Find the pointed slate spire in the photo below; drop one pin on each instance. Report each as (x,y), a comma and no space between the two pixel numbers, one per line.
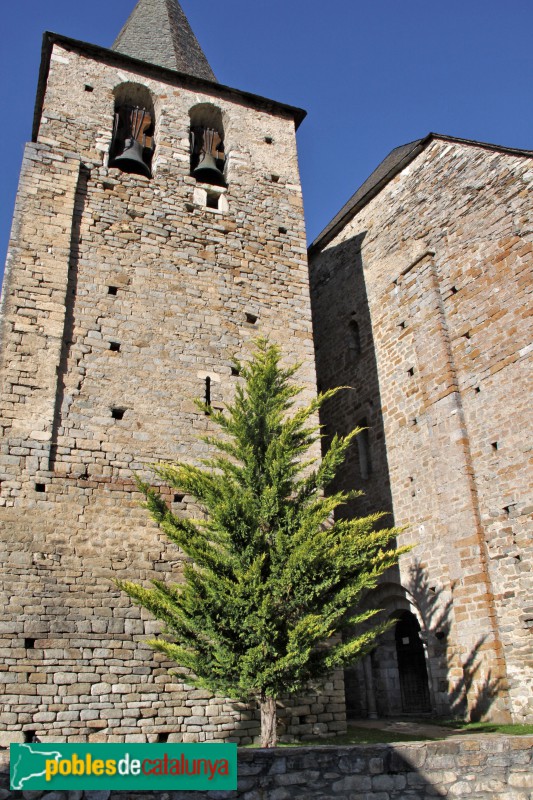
(158,31)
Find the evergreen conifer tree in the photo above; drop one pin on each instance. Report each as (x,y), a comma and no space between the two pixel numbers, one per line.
(269,599)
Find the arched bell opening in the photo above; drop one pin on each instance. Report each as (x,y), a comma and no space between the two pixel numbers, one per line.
(207,144)
(412,669)
(132,145)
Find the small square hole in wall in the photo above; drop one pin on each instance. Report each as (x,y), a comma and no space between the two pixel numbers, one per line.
(29,644)
(212,200)
(162,738)
(454,290)
(40,487)
(114,347)
(477,389)
(467,335)
(274,178)
(251,319)
(178,498)
(30,736)
(269,140)
(403,325)
(411,372)
(281,229)
(235,372)
(88,88)
(112,290)
(495,445)
(118,413)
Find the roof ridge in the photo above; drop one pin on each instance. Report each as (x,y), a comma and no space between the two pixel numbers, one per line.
(158,31)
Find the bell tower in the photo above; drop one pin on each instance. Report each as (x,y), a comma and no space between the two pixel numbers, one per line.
(158,230)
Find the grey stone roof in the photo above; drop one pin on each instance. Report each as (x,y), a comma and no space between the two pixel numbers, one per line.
(389,167)
(157,31)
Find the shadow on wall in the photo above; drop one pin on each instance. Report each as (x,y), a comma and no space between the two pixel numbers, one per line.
(345,356)
(416,669)
(451,683)
(471,695)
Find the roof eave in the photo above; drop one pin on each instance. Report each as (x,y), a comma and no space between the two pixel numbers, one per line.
(152,70)
(351,208)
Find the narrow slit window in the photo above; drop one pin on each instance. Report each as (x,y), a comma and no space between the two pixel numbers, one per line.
(207,399)
(363,445)
(355,337)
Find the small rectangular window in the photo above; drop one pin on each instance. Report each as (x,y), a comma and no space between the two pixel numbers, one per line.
(212,200)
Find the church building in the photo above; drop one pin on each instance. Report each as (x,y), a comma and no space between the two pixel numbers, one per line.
(158,230)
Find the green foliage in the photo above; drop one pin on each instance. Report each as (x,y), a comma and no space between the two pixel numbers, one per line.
(272,579)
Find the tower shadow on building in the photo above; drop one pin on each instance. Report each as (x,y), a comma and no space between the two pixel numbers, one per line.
(346,356)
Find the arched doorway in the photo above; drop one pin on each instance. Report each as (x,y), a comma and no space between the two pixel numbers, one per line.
(412,668)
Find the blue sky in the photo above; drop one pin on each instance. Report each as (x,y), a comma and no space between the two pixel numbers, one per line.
(371,75)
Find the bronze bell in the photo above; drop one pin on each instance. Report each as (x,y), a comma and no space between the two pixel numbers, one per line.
(131,159)
(208,172)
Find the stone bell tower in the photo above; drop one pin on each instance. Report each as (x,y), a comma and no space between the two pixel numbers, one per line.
(158,230)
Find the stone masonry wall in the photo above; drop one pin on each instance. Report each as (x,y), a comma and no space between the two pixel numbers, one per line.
(101,258)
(436,273)
(478,768)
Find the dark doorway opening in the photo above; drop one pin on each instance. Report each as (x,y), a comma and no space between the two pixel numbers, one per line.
(412,668)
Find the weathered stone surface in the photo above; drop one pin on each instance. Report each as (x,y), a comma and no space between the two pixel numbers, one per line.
(420,304)
(101,260)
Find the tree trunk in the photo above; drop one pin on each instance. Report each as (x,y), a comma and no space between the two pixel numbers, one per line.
(268,722)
